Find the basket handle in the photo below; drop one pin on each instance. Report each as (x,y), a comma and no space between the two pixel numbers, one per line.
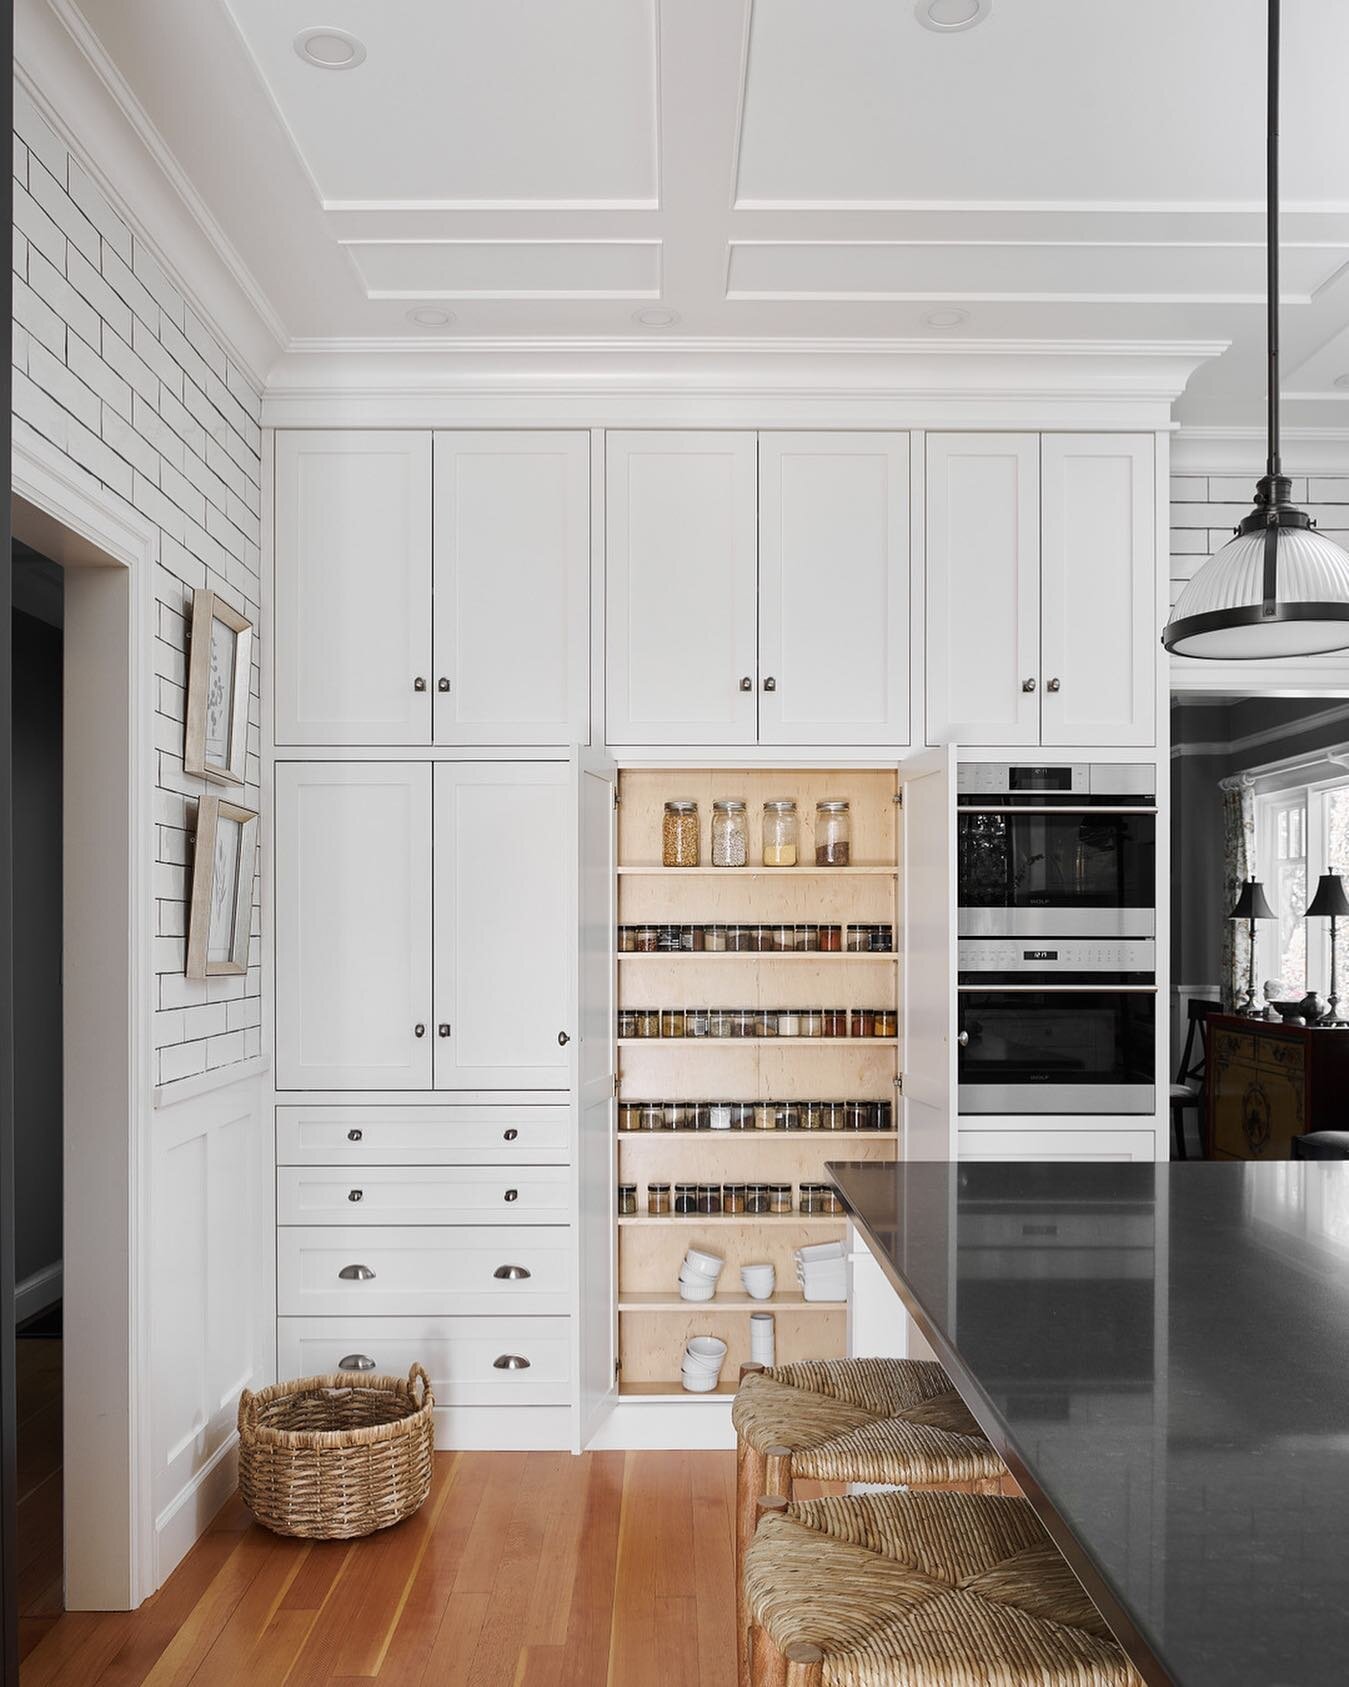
(415,1372)
(248,1410)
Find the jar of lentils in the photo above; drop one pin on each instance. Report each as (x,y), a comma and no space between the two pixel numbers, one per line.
(833,834)
(679,835)
(730,833)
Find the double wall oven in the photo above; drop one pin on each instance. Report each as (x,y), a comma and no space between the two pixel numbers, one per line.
(1057,989)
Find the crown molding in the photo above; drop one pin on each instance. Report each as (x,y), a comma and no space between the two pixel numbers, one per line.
(1241,451)
(61,65)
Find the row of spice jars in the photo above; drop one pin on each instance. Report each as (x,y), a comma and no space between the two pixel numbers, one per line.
(681,833)
(752,939)
(755,1115)
(708,1199)
(757,1022)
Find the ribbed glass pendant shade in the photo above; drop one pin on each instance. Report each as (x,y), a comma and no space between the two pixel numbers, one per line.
(1221,614)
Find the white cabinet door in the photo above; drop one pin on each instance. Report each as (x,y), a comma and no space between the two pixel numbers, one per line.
(983,588)
(353,925)
(512,588)
(353,588)
(505,939)
(680,588)
(833,588)
(1089,1143)
(1099,633)
(928,933)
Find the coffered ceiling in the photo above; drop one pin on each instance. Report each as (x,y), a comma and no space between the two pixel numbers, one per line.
(762,170)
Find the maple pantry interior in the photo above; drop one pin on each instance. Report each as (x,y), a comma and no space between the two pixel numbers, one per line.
(712,733)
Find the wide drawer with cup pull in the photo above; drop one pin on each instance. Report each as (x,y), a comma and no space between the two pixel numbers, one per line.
(451,1195)
(471,1361)
(344,1135)
(423,1270)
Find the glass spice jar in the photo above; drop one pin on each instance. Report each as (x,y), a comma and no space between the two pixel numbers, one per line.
(811,1198)
(714,940)
(733,1197)
(784,939)
(686,1197)
(808,938)
(700,1115)
(887,1021)
(765,1116)
(679,835)
(762,939)
(863,1022)
(812,1022)
(730,833)
(859,939)
(831,939)
(652,1117)
(789,1023)
(779,1197)
(671,940)
(719,1022)
(742,1115)
(882,940)
(855,1114)
(832,1116)
(692,938)
(765,1023)
(629,1116)
(740,939)
(627,1198)
(648,1022)
(756,1197)
(646,939)
(709,1198)
(719,1115)
(835,1022)
(811,1114)
(830,1200)
(695,1022)
(627,1022)
(779,834)
(657,1199)
(789,1116)
(742,1022)
(833,834)
(627,940)
(672,1022)
(677,1116)
(881,1115)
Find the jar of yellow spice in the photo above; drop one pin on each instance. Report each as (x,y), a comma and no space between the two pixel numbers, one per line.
(779,834)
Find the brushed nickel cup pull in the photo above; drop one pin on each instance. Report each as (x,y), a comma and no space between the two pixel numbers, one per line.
(747,684)
(511,1273)
(419,684)
(355,1135)
(510,1134)
(418,1030)
(770,684)
(512,1194)
(510,1362)
(562,1039)
(356,1274)
(356,1194)
(356,1362)
(1053,686)
(1028,685)
(442,684)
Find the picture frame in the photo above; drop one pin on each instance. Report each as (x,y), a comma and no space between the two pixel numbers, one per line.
(220,916)
(219,679)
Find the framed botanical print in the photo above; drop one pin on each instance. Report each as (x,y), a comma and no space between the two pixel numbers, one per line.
(219,669)
(220,918)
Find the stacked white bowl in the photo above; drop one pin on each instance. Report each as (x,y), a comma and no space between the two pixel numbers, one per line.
(762,1346)
(698,1275)
(822,1271)
(703,1359)
(759,1281)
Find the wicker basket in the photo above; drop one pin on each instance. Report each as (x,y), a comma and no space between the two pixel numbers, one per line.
(328,1458)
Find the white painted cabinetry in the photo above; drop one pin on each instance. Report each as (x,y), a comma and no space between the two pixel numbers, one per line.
(1041,589)
(432,591)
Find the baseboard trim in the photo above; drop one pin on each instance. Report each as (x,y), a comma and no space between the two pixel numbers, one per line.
(661,1425)
(36,1293)
(189,1512)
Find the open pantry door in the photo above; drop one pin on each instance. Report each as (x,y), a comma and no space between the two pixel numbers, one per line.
(594,1074)
(928,924)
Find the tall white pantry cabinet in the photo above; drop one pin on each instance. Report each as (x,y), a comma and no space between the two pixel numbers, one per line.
(458,616)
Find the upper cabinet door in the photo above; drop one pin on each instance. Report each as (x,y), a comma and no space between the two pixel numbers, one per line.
(512,588)
(352,644)
(833,588)
(983,588)
(505,925)
(353,925)
(680,589)
(1099,589)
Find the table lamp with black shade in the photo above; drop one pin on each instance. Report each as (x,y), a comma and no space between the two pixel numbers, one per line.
(1252,906)
(1330,903)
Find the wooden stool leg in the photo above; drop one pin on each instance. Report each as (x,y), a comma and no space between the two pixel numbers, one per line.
(805,1665)
(768,1667)
(750,1471)
(744,1617)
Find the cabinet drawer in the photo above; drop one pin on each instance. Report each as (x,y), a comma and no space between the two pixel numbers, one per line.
(458,1354)
(423,1195)
(1047,1228)
(422,1136)
(423,1271)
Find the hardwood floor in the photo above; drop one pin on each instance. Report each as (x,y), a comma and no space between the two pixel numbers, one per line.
(522,1570)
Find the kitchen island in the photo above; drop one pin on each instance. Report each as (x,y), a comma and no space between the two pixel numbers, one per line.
(1160,1353)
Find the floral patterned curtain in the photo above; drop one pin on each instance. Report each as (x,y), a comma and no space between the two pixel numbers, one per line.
(1238,866)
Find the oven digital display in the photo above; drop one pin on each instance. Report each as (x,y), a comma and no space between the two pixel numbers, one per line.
(1040,778)
(1039,954)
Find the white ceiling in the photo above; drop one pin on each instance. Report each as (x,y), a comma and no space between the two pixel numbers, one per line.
(813,169)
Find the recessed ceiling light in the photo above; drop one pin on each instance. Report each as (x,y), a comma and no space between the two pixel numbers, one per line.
(1342,380)
(658,317)
(329,49)
(952,317)
(428,316)
(947,17)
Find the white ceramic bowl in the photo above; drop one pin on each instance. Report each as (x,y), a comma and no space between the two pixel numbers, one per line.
(707,1350)
(697,1291)
(708,1264)
(759,1281)
(703,1382)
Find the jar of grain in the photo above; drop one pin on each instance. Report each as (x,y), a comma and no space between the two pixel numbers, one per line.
(835,1022)
(812,1113)
(679,834)
(742,1115)
(887,1022)
(629,1116)
(765,1116)
(833,834)
(779,834)
(859,939)
(730,833)
(831,939)
(756,1197)
(648,1022)
(672,1022)
(720,1022)
(766,1023)
(627,1198)
(812,1022)
(863,1022)
(733,1197)
(652,1116)
(714,939)
(627,940)
(808,937)
(657,1199)
(646,939)
(779,1197)
(627,1022)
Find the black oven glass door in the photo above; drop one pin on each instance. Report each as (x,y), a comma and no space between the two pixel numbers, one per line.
(1027,860)
(1057,1051)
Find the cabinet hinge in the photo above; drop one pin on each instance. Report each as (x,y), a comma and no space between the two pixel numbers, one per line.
(899,798)
(616,797)
(618,1366)
(899,1084)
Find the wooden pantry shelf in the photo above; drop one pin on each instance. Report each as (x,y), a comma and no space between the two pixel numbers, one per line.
(671,1391)
(785,1302)
(759,1042)
(800,1219)
(872,872)
(830,957)
(752,1135)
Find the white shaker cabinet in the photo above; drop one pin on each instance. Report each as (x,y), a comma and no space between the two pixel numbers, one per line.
(512,588)
(983,588)
(353,925)
(505,941)
(1099,614)
(352,644)
(833,588)
(680,596)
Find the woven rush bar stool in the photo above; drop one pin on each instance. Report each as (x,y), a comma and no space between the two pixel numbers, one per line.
(920,1590)
(892,1421)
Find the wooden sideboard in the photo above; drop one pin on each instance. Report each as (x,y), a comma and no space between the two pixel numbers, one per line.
(1267,1083)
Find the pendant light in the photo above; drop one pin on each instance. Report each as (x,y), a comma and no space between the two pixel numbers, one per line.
(1278,588)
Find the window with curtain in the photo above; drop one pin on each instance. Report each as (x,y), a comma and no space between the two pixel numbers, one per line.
(1301,831)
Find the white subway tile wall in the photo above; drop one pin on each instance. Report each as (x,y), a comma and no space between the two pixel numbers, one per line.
(114,368)
(1205,509)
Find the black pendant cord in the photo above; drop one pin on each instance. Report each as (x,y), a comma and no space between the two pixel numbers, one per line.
(1273,466)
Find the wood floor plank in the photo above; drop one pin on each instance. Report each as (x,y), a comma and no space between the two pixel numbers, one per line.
(228,1661)
(633,1640)
(714,1568)
(497,1661)
(456,1642)
(487,1541)
(254,1552)
(590,1622)
(674,1660)
(561,1485)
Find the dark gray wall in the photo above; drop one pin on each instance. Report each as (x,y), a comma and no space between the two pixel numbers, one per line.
(37,670)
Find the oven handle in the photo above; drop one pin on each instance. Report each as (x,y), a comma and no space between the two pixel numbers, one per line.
(1060,989)
(1048,808)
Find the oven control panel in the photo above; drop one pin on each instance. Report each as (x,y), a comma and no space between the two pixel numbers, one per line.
(1132,781)
(1008,957)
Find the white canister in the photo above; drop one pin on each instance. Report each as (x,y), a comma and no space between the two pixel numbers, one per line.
(762,1343)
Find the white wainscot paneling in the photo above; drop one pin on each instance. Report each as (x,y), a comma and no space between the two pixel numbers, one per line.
(211,1299)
